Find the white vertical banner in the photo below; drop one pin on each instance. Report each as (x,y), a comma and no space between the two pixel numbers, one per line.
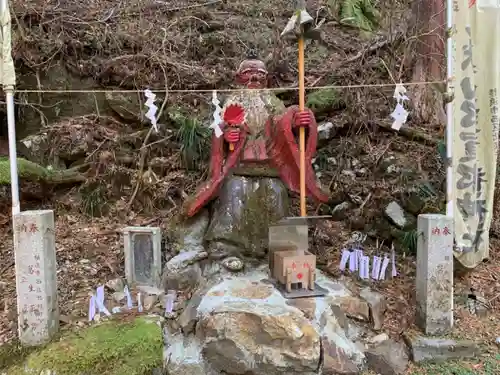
(476,83)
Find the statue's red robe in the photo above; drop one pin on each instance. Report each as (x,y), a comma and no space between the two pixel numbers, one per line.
(283,154)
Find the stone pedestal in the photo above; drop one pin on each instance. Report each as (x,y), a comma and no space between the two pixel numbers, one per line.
(142,255)
(35,255)
(435,274)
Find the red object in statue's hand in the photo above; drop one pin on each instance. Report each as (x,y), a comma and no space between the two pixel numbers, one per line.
(234,115)
(232,135)
(303,119)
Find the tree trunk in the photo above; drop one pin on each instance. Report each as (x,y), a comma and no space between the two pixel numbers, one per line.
(429,65)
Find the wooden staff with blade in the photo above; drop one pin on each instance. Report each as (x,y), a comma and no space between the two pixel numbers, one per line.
(300,27)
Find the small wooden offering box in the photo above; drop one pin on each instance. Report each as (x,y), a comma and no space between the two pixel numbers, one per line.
(291,266)
(294,270)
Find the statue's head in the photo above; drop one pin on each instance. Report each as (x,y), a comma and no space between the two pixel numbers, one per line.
(252,73)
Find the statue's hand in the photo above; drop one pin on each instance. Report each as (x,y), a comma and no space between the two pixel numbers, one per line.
(232,134)
(303,119)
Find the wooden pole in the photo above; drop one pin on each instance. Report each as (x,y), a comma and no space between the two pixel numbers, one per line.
(302,133)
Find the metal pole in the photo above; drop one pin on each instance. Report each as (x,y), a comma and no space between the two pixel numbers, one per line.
(450,196)
(11,122)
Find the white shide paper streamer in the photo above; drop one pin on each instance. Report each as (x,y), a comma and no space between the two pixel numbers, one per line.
(152,108)
(400,114)
(215,125)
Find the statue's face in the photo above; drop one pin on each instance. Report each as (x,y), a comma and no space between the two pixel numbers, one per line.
(252,75)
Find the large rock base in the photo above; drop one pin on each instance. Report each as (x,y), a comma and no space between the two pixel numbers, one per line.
(243,326)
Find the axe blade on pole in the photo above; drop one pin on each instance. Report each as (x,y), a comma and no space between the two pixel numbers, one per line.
(301,24)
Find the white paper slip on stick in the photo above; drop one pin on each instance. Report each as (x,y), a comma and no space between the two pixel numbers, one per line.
(129,297)
(345,258)
(376,267)
(393,261)
(92,308)
(383,269)
(352,261)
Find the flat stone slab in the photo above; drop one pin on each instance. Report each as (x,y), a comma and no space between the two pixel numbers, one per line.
(300,293)
(301,220)
(438,349)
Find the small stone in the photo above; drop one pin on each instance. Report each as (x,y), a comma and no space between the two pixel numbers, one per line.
(116,310)
(182,280)
(349,173)
(183,260)
(478,306)
(413,202)
(325,131)
(147,289)
(233,264)
(336,361)
(306,305)
(376,302)
(128,107)
(355,308)
(389,165)
(178,305)
(436,349)
(116,285)
(149,301)
(340,211)
(182,355)
(172,316)
(118,297)
(342,319)
(188,319)
(395,213)
(379,339)
(388,358)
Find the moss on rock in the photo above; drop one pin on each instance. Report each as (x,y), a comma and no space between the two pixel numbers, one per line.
(132,347)
(25,169)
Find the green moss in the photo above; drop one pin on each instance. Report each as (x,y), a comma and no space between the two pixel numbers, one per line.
(489,366)
(321,101)
(25,169)
(356,13)
(13,353)
(259,212)
(112,348)
(275,105)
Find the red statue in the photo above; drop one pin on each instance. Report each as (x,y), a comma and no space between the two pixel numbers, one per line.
(249,163)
